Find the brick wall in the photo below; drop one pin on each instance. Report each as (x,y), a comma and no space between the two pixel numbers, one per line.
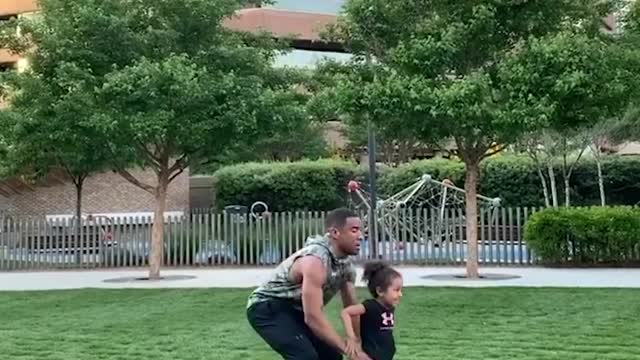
(105,192)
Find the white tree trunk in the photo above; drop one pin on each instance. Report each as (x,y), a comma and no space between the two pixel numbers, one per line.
(596,154)
(545,190)
(603,200)
(552,184)
(567,191)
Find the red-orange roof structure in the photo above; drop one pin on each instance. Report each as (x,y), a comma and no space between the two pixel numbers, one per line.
(303,27)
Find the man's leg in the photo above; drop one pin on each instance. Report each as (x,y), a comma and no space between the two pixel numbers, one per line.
(282,330)
(324,350)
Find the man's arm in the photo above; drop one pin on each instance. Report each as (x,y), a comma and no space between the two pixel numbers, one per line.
(313,274)
(350,298)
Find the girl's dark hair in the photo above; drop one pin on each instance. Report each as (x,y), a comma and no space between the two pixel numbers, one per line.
(378,275)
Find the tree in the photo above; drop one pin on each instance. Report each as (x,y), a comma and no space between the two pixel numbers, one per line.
(46,129)
(305,142)
(464,71)
(301,136)
(586,88)
(606,134)
(629,27)
(397,144)
(167,83)
(46,122)
(541,146)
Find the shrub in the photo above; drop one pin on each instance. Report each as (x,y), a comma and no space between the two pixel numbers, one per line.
(621,181)
(291,186)
(585,236)
(393,180)
(321,185)
(513,179)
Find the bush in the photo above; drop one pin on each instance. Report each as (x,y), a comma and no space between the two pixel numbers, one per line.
(393,180)
(321,185)
(585,236)
(621,181)
(304,185)
(513,179)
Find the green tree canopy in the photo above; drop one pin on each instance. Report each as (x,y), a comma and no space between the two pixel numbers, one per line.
(164,83)
(482,73)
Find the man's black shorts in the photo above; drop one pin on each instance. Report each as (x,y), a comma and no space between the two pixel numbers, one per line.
(283,328)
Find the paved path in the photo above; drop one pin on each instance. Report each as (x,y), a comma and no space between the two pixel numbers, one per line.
(251,277)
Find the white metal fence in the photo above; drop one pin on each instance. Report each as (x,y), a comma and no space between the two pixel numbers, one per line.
(221,239)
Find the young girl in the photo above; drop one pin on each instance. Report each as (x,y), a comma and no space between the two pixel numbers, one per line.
(377,318)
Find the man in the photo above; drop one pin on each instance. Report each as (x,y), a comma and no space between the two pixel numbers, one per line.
(287,311)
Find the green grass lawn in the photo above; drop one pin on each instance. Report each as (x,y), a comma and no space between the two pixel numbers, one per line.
(432,323)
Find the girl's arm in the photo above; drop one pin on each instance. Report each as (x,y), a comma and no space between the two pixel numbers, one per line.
(347,314)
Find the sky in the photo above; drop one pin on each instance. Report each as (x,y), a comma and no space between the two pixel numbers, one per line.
(325,6)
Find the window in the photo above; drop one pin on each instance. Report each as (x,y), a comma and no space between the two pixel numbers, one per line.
(7,17)
(308,59)
(322,6)
(7,66)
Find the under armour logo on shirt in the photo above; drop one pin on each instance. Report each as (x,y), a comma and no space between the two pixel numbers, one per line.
(387,319)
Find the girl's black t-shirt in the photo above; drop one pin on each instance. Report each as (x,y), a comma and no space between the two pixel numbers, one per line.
(376,330)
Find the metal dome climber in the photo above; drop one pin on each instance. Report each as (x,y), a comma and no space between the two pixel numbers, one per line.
(398,216)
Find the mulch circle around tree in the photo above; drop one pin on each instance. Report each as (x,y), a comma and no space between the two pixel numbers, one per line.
(464,277)
(129,279)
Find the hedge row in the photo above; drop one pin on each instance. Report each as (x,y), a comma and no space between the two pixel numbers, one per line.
(515,179)
(321,185)
(585,236)
(305,185)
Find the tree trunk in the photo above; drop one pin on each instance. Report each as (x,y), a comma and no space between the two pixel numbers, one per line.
(596,155)
(470,187)
(78,182)
(567,172)
(543,180)
(79,185)
(603,199)
(545,190)
(552,184)
(567,191)
(156,255)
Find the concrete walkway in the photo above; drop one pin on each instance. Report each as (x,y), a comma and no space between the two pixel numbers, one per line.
(251,277)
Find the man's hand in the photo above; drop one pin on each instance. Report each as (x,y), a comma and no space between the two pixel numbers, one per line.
(313,275)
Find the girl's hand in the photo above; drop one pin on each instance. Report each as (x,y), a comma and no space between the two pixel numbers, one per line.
(352,348)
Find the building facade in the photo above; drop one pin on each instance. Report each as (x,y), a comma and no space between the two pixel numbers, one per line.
(105,193)
(11,9)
